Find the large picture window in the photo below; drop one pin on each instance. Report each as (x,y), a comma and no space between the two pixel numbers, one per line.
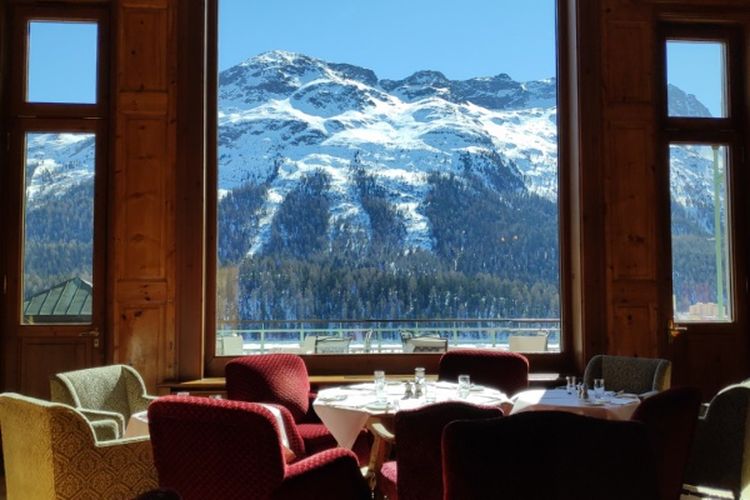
(387,177)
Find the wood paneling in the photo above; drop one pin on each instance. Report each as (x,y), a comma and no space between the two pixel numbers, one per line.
(143,223)
(42,357)
(631,200)
(628,76)
(143,47)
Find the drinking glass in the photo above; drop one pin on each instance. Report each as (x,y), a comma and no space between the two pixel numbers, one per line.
(379,376)
(598,388)
(464,386)
(570,384)
(420,387)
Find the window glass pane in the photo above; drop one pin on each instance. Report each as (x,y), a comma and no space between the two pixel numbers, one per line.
(696,79)
(387,172)
(58,228)
(62,62)
(700,241)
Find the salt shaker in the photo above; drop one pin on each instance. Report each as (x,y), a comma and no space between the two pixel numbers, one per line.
(408,393)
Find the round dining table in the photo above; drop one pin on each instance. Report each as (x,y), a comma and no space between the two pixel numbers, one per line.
(345,410)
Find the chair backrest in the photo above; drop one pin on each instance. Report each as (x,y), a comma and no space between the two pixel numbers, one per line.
(532,342)
(425,344)
(208,448)
(542,455)
(332,345)
(505,371)
(635,375)
(720,457)
(112,388)
(270,378)
(419,434)
(670,417)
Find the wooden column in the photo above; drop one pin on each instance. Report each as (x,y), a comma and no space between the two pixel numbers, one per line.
(629,180)
(142,252)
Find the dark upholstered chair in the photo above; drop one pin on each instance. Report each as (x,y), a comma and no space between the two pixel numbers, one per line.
(505,371)
(720,457)
(212,448)
(670,417)
(105,393)
(642,376)
(282,379)
(548,455)
(417,472)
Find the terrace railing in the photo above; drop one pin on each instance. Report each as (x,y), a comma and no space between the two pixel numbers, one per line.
(378,336)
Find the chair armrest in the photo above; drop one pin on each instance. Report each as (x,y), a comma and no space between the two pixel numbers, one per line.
(130,462)
(105,429)
(334,471)
(296,442)
(94,415)
(648,394)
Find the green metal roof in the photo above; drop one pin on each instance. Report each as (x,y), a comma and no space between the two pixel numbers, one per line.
(69,300)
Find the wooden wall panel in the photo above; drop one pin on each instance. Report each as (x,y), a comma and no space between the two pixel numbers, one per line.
(631,193)
(630,182)
(143,48)
(138,349)
(42,357)
(143,222)
(143,198)
(628,77)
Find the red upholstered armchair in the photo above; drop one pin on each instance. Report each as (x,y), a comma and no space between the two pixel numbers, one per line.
(505,371)
(205,449)
(282,379)
(417,472)
(548,455)
(671,417)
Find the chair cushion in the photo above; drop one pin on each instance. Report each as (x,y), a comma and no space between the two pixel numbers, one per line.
(388,479)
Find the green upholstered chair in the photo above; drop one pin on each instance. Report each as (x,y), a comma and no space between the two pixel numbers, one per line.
(50,452)
(642,376)
(720,457)
(112,392)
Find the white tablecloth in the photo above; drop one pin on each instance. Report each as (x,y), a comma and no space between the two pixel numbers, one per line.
(137,425)
(611,408)
(345,410)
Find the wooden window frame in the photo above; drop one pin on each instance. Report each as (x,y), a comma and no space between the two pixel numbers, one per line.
(196,342)
(22,117)
(729,131)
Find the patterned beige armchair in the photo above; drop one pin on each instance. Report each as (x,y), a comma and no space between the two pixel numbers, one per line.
(720,457)
(642,376)
(50,452)
(105,393)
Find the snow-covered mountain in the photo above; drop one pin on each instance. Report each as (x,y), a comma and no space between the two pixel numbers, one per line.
(285,116)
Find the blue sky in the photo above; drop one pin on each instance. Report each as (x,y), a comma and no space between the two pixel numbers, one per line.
(697,68)
(395,38)
(62,62)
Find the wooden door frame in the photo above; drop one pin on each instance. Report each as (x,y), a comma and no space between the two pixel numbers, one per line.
(732,132)
(20,118)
